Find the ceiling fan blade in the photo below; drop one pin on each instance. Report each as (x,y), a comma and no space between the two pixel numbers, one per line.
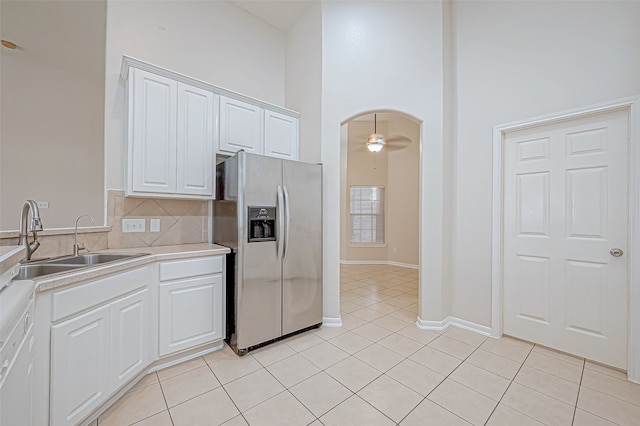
(398,142)
(398,139)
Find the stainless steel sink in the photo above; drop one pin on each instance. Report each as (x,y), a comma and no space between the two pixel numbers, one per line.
(70,263)
(36,270)
(93,258)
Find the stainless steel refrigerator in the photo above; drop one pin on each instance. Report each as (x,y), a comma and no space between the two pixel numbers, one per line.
(269,212)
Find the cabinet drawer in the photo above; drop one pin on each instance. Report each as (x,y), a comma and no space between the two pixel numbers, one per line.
(191,268)
(76,299)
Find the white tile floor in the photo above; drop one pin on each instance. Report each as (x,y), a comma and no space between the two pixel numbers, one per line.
(380,369)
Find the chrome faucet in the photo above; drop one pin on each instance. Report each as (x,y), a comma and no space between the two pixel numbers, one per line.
(76,247)
(34,226)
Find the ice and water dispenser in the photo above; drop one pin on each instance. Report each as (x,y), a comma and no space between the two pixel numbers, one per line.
(262,224)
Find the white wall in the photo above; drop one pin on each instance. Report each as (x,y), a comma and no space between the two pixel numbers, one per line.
(397,68)
(213,41)
(51,143)
(517,60)
(403,194)
(304,80)
(52,109)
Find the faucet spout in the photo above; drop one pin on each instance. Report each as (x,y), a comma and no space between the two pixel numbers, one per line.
(76,247)
(26,226)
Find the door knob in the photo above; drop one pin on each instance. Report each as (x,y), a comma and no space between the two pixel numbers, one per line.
(616,252)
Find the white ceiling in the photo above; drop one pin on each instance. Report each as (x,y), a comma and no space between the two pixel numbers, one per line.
(280,14)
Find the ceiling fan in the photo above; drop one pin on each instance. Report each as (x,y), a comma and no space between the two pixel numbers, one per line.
(376,141)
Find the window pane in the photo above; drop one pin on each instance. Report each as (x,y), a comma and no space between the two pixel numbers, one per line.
(367,214)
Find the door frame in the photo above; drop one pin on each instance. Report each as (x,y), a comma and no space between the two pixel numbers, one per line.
(632,106)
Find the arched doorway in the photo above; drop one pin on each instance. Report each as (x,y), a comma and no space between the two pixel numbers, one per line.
(379,220)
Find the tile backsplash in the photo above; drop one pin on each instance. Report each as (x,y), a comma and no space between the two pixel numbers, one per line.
(62,244)
(181,221)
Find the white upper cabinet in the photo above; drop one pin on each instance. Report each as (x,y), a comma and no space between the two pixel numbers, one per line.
(152,133)
(256,129)
(177,124)
(171,138)
(195,141)
(280,135)
(240,126)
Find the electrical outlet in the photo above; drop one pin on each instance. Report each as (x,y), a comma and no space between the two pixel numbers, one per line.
(43,204)
(133,225)
(154,225)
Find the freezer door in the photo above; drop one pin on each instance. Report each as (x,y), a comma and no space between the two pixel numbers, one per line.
(302,266)
(258,286)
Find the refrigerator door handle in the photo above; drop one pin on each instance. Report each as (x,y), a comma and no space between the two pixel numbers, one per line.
(280,230)
(288,222)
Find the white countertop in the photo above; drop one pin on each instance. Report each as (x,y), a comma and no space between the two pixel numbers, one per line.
(10,256)
(182,251)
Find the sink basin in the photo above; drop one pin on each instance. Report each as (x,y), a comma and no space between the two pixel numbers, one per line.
(93,258)
(35,270)
(70,263)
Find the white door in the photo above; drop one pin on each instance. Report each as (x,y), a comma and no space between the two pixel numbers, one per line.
(565,210)
(153,164)
(130,340)
(189,313)
(195,158)
(240,126)
(280,135)
(80,350)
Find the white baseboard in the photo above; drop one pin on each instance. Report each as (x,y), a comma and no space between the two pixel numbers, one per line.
(378,262)
(449,321)
(331,322)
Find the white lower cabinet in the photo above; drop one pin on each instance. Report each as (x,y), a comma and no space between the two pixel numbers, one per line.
(104,332)
(16,407)
(94,353)
(190,310)
(80,353)
(129,335)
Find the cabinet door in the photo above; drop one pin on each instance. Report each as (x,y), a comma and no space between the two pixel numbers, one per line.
(280,135)
(240,126)
(190,313)
(152,161)
(16,393)
(195,157)
(130,340)
(80,352)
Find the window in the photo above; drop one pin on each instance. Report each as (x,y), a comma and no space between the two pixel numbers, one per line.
(367,214)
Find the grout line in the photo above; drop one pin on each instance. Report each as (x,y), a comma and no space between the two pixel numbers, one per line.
(509,385)
(575,407)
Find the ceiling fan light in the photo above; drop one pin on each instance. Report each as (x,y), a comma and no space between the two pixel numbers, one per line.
(376,138)
(375,142)
(374,147)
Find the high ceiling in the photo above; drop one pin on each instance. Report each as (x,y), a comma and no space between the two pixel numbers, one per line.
(280,14)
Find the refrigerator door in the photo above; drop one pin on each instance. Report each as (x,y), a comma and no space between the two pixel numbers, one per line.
(259,290)
(302,266)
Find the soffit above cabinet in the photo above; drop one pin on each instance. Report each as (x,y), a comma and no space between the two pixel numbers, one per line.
(128,62)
